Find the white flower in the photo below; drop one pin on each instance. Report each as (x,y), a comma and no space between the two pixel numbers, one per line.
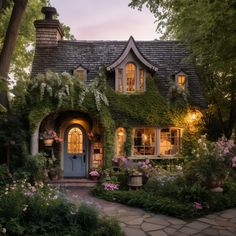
(4,230)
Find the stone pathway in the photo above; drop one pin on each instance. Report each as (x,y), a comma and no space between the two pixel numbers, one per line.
(136,222)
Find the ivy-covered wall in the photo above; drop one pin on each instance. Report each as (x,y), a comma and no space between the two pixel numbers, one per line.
(52,92)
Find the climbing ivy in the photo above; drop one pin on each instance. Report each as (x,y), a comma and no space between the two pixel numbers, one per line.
(52,92)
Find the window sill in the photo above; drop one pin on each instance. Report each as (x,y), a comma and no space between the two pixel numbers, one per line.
(154,157)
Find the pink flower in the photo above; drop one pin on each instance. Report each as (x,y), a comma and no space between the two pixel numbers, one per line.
(111,186)
(94,173)
(198,205)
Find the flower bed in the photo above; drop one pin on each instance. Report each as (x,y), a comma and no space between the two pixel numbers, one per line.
(40,210)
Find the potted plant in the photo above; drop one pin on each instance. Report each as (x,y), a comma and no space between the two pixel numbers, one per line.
(94,175)
(49,136)
(135,176)
(55,173)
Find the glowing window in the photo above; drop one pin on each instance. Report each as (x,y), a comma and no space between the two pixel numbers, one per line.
(75,141)
(130,78)
(170,141)
(120,141)
(141,80)
(181,81)
(144,141)
(120,79)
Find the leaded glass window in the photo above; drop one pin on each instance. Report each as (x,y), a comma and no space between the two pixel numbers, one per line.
(75,141)
(130,78)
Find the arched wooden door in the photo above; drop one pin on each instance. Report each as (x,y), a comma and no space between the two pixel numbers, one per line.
(75,146)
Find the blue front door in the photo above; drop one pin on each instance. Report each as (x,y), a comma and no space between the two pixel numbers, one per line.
(75,152)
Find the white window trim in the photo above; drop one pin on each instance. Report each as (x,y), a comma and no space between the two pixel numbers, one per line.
(123,67)
(158,144)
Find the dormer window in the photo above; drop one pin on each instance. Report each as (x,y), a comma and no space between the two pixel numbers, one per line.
(130,78)
(181,80)
(81,73)
(130,71)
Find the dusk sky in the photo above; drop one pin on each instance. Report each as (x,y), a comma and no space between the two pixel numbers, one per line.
(105,20)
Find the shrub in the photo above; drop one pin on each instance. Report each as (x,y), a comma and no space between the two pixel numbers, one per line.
(31,210)
(108,227)
(35,166)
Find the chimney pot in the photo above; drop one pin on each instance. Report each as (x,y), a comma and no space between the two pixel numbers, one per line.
(49,12)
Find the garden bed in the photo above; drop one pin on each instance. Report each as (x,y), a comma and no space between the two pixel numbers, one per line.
(184,203)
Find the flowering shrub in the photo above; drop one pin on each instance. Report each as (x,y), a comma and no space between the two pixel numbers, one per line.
(94,173)
(208,166)
(111,186)
(40,210)
(227,150)
(50,134)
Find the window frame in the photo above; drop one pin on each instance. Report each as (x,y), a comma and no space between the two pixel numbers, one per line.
(157,154)
(185,87)
(122,67)
(78,70)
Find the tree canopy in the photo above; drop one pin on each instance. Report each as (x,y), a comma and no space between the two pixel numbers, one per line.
(23,54)
(207,27)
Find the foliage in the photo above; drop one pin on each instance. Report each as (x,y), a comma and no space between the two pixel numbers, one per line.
(174,197)
(50,134)
(207,28)
(35,166)
(53,92)
(23,58)
(207,165)
(39,210)
(147,201)
(5,176)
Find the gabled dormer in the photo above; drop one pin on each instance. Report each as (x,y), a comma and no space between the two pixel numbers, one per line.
(80,72)
(130,69)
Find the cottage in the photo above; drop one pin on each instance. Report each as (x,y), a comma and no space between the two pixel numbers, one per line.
(143,78)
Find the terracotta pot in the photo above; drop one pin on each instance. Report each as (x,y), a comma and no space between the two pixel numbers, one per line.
(48,142)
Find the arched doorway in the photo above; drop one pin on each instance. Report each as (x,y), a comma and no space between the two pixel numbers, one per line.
(75,149)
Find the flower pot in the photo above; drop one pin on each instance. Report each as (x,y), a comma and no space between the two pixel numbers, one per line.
(136,180)
(48,142)
(94,177)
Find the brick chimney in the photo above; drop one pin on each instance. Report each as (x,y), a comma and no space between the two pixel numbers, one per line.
(48,30)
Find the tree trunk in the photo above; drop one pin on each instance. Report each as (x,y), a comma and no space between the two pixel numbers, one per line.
(10,43)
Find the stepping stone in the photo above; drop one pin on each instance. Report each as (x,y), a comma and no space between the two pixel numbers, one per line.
(226,233)
(189,231)
(197,225)
(170,231)
(157,220)
(211,232)
(175,221)
(229,214)
(126,219)
(158,233)
(150,227)
(133,232)
(208,221)
(137,221)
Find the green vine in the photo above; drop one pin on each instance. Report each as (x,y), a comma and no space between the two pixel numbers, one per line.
(53,92)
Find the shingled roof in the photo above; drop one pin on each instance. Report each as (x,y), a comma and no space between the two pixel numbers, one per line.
(168,56)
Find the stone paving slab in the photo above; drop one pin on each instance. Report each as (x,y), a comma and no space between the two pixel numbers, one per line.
(136,222)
